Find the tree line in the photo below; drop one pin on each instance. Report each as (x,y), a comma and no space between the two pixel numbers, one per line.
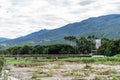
(39,49)
(82,45)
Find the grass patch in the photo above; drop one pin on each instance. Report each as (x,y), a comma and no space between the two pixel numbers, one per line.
(108,72)
(56,67)
(13,61)
(86,60)
(98,77)
(78,73)
(75,74)
(38,73)
(115,78)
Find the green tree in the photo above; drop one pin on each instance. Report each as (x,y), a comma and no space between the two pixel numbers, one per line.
(70,38)
(26,49)
(83,45)
(109,47)
(59,49)
(13,50)
(38,49)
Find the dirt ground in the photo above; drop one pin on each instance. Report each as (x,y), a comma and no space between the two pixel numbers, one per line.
(65,71)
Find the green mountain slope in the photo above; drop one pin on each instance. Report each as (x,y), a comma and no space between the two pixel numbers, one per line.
(104,26)
(3,39)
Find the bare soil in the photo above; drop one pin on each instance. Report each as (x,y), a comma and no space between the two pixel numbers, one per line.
(65,71)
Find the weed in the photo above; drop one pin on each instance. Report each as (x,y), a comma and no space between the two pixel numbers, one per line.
(56,67)
(48,73)
(108,72)
(41,67)
(75,73)
(98,78)
(114,71)
(115,78)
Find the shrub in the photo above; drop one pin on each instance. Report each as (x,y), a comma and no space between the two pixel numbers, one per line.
(2,62)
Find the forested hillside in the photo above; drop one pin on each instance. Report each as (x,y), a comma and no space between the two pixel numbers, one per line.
(103,27)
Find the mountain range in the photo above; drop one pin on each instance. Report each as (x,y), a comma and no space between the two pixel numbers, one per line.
(107,26)
(3,39)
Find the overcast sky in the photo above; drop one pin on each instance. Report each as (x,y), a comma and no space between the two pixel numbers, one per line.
(21,17)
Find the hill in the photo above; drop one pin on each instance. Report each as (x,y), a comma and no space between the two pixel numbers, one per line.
(3,39)
(104,26)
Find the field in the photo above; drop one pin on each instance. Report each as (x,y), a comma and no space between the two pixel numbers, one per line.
(65,68)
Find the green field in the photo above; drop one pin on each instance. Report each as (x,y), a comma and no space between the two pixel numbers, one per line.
(105,60)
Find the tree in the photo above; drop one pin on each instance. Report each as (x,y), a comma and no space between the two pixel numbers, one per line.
(74,40)
(59,49)
(13,50)
(83,45)
(26,49)
(71,39)
(109,47)
(38,49)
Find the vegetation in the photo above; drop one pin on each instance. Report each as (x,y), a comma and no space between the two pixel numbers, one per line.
(38,49)
(35,62)
(109,47)
(103,26)
(64,67)
(3,73)
(2,63)
(83,45)
(39,73)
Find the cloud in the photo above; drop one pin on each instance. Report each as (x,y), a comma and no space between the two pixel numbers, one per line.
(86,2)
(21,17)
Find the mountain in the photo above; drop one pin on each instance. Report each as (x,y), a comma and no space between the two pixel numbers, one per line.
(32,35)
(3,39)
(107,26)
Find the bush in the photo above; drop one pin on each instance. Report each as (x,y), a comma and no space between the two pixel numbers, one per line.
(2,62)
(118,55)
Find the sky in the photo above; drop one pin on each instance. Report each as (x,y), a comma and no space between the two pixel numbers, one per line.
(22,17)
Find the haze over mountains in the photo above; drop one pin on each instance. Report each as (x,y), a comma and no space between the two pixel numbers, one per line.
(104,27)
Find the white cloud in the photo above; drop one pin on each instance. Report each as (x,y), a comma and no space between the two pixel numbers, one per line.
(21,17)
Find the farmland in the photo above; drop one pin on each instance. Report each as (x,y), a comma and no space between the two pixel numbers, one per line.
(65,68)
(64,61)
